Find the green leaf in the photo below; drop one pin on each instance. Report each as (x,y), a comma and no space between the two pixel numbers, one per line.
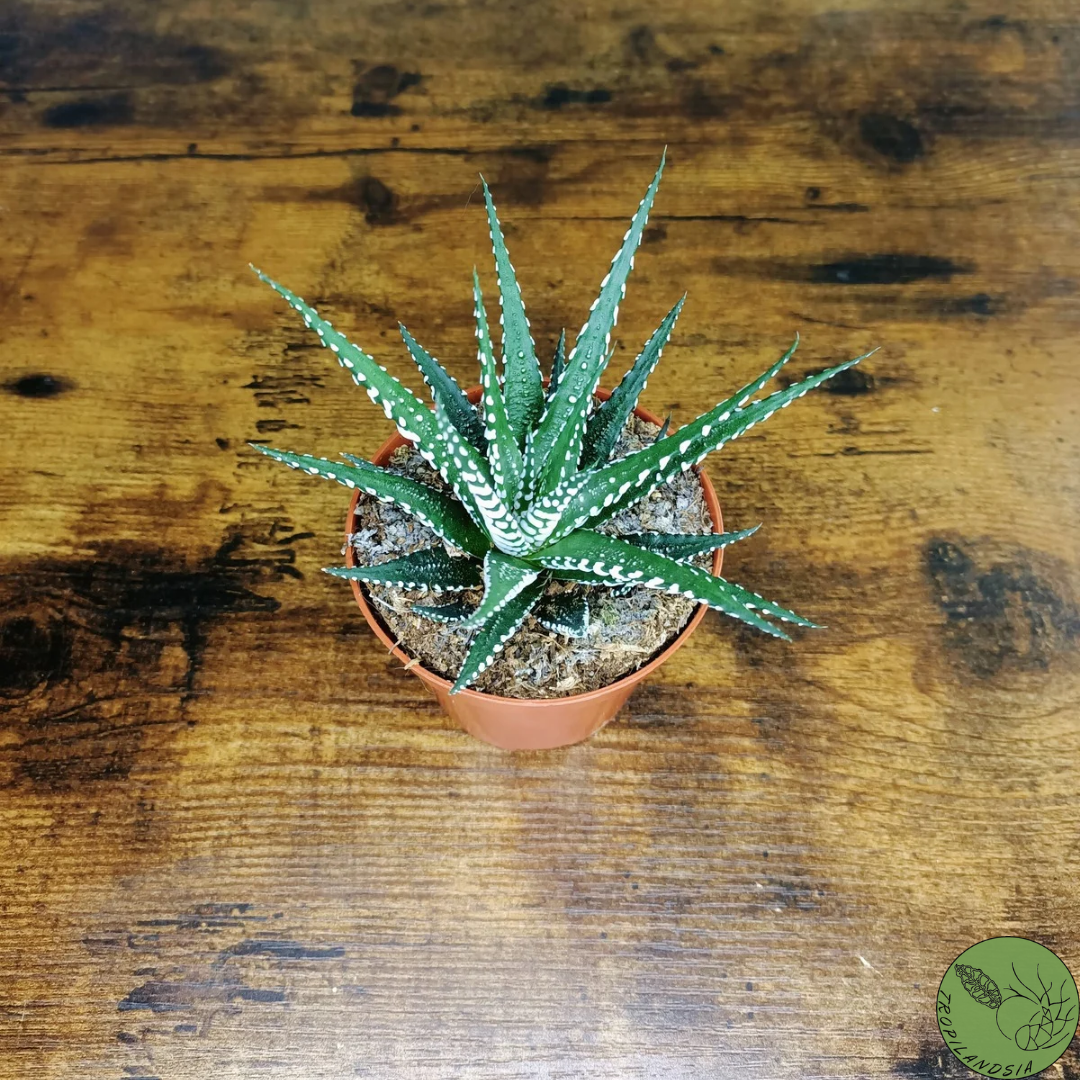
(412,417)
(504,454)
(496,631)
(610,418)
(628,480)
(429,568)
(436,437)
(663,428)
(435,509)
(543,515)
(558,364)
(504,577)
(468,473)
(623,563)
(685,545)
(523,385)
(444,386)
(453,612)
(564,613)
(554,447)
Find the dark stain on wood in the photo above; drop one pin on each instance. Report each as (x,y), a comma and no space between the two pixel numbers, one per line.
(885,269)
(982,304)
(106,110)
(1001,613)
(281,950)
(32,654)
(850,383)
(80,637)
(559,94)
(38,385)
(849,270)
(933,1061)
(539,153)
(377,87)
(288,388)
(267,427)
(162,996)
(39,46)
(378,201)
(892,137)
(520,179)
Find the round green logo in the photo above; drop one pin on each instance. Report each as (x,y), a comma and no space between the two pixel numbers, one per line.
(1007,1007)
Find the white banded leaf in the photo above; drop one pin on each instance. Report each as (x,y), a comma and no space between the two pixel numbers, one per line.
(685,545)
(608,421)
(626,481)
(623,563)
(445,516)
(504,454)
(496,631)
(564,613)
(543,514)
(504,576)
(429,568)
(467,471)
(412,417)
(452,612)
(523,385)
(444,386)
(558,365)
(554,447)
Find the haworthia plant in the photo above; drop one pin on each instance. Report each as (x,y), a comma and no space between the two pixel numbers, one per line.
(531,473)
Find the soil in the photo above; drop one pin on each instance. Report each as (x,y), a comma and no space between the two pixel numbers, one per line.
(627,627)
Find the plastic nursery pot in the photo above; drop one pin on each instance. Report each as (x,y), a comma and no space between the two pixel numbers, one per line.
(519,723)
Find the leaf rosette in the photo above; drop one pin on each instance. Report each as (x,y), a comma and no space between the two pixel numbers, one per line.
(530,474)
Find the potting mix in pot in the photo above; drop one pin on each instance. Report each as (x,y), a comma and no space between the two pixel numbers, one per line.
(541,543)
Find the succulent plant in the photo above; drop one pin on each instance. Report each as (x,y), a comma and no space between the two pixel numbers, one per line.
(531,475)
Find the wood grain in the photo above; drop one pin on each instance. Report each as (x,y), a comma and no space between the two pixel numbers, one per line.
(240,841)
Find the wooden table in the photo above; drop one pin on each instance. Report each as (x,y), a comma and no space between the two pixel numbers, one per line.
(238,839)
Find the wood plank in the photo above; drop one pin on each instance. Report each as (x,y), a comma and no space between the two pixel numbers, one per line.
(239,840)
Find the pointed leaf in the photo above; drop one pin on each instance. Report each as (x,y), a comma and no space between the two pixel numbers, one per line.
(663,428)
(453,612)
(593,579)
(564,613)
(554,447)
(468,473)
(504,577)
(681,546)
(558,365)
(623,563)
(429,568)
(610,418)
(628,480)
(444,386)
(504,454)
(523,385)
(435,509)
(543,515)
(496,631)
(413,418)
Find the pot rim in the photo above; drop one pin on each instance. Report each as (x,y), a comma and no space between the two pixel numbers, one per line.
(416,666)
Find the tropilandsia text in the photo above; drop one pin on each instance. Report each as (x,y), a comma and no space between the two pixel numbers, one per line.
(974,1061)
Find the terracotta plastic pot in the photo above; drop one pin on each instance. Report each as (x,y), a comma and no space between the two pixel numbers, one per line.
(517,723)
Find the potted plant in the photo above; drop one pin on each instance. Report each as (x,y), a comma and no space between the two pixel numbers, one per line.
(513,491)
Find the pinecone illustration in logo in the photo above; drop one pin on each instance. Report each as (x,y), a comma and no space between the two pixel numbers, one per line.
(979,985)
